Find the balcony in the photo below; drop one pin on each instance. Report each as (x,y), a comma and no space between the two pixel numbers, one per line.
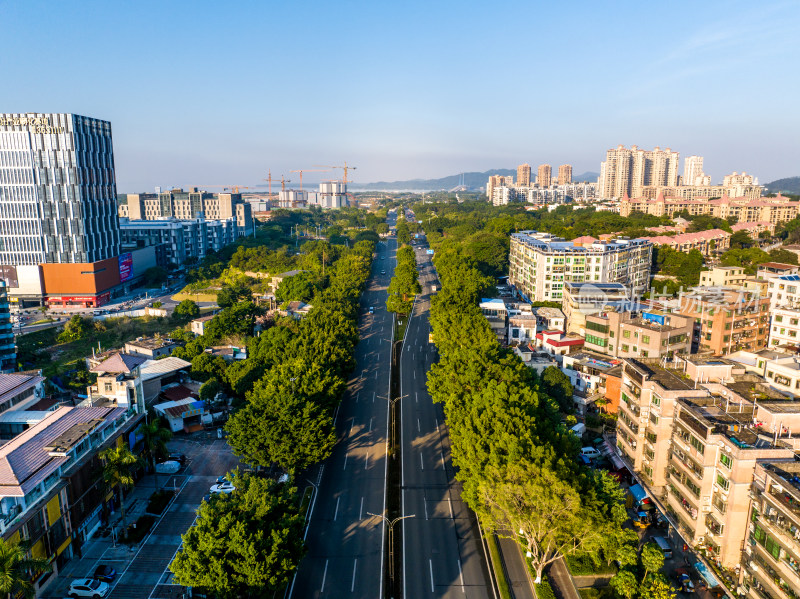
(680,500)
(783,580)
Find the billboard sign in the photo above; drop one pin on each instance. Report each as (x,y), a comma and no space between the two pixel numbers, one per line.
(9,273)
(125,267)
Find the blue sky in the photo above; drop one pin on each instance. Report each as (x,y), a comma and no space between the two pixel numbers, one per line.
(213,93)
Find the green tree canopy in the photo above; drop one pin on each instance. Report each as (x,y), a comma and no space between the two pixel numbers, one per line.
(230,295)
(244,545)
(187,309)
(301,287)
(16,567)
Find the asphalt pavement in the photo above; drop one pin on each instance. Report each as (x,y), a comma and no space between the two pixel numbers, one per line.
(345,543)
(442,552)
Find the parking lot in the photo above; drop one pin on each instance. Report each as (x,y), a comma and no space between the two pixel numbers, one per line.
(142,570)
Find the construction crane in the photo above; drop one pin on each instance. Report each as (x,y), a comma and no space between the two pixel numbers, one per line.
(345,168)
(269,179)
(308,170)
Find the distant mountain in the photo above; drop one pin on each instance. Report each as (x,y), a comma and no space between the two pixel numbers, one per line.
(588,176)
(472,181)
(787,185)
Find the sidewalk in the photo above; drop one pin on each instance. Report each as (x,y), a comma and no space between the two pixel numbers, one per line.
(102,548)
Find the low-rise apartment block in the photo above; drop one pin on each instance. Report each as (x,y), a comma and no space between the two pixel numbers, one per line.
(723,276)
(771,558)
(706,242)
(727,319)
(647,334)
(541,265)
(783,290)
(583,299)
(744,209)
(694,432)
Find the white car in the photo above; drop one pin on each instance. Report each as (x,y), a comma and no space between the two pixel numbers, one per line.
(168,467)
(590,452)
(88,587)
(224,487)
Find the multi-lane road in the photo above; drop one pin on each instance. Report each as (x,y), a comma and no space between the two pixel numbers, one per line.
(442,552)
(345,555)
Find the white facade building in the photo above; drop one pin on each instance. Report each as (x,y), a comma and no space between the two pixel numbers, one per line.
(541,264)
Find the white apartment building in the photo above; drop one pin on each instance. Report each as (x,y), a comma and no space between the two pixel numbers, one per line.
(541,264)
(784,291)
(785,328)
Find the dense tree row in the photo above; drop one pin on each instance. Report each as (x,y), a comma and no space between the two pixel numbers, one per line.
(405,282)
(300,369)
(515,457)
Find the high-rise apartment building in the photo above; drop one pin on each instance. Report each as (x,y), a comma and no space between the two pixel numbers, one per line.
(541,265)
(693,171)
(545,175)
(628,171)
(735,179)
(496,181)
(58,202)
(565,174)
(524,175)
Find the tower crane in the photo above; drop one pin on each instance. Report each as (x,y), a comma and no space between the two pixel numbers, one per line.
(345,168)
(308,170)
(269,179)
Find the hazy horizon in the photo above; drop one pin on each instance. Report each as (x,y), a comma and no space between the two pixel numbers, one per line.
(201,94)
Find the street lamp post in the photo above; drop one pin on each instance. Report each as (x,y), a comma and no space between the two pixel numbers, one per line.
(390,524)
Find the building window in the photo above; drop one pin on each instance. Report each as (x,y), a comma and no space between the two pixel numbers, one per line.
(723,482)
(646,339)
(626,334)
(655,400)
(625,347)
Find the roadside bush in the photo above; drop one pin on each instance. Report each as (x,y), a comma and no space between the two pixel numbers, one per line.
(158,501)
(544,590)
(137,531)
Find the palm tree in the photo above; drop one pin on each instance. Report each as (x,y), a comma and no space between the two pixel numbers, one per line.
(155,437)
(16,568)
(118,464)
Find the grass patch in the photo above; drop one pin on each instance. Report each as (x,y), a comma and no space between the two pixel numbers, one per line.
(42,321)
(544,590)
(581,564)
(497,566)
(400,325)
(138,530)
(158,501)
(203,295)
(41,350)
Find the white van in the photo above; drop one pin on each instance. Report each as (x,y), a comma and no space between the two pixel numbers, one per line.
(664,545)
(590,452)
(579,429)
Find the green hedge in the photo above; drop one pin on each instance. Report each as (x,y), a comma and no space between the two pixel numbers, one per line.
(497,566)
(581,564)
(544,590)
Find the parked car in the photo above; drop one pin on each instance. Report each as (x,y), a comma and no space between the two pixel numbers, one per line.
(371,310)
(222,479)
(383,272)
(225,487)
(178,457)
(88,587)
(168,467)
(590,452)
(105,573)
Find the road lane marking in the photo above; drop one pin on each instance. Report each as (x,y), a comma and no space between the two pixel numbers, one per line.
(370,425)
(418,430)
(425,506)
(373,397)
(366,461)
(325,574)
(421,465)
(450,503)
(353,584)
(357,394)
(437,425)
(430,563)
(352,424)
(345,461)
(460,575)
(336,512)
(361,510)
(416,397)
(415,374)
(441,454)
